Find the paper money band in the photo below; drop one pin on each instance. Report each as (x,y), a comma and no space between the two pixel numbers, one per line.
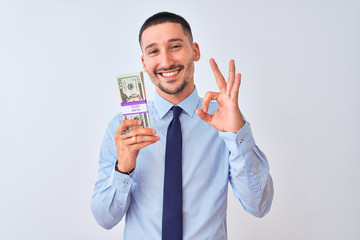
(135,107)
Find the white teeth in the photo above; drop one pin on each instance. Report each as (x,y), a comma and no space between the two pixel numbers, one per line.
(169,74)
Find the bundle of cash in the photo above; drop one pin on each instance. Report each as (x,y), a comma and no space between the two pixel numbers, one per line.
(133,97)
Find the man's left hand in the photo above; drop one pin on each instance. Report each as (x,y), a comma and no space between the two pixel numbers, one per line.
(227,117)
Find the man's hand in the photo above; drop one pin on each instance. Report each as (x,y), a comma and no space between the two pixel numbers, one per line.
(227,117)
(128,145)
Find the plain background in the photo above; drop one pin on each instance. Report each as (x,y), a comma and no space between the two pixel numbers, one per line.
(300,91)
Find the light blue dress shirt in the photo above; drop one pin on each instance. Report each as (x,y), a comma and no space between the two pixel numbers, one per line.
(210,159)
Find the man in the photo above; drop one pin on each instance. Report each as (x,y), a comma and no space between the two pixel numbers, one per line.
(216,146)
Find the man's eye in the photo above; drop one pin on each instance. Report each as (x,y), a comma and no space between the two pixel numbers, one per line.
(175,46)
(152,52)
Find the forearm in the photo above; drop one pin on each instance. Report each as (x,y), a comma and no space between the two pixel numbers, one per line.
(111,197)
(249,172)
(251,182)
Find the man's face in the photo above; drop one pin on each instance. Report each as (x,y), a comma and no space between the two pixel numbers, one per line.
(169,58)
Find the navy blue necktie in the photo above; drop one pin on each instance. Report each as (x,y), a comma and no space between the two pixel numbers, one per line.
(172,221)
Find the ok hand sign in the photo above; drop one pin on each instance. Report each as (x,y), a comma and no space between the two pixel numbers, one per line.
(227,117)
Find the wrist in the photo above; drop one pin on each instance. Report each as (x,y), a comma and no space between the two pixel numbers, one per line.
(238,127)
(123,172)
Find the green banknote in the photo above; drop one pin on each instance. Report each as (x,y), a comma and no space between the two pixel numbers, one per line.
(133,97)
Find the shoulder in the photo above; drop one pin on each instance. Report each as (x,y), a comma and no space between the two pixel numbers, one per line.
(117,118)
(114,122)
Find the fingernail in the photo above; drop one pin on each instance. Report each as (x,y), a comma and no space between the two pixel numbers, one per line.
(139,121)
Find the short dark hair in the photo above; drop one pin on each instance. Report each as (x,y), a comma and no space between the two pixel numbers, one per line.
(163,17)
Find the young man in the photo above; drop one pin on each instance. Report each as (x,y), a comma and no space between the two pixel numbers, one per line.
(178,190)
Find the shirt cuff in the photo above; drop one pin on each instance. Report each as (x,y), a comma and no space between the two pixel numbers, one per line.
(122,182)
(241,142)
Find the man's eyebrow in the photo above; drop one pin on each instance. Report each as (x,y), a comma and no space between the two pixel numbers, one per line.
(170,40)
(149,46)
(176,40)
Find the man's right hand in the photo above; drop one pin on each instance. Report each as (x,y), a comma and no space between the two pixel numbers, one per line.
(129,144)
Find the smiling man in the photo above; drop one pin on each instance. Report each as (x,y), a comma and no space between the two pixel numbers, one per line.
(171,181)
(169,56)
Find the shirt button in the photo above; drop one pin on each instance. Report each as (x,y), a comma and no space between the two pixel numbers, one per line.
(251,174)
(121,206)
(127,182)
(241,141)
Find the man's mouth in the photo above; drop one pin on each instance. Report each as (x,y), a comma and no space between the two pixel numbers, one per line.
(171,72)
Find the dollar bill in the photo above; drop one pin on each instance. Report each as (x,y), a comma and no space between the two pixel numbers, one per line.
(133,97)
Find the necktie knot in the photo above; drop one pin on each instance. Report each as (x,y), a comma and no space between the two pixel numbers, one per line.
(176,111)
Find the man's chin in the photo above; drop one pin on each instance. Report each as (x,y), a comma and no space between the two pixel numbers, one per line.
(173,91)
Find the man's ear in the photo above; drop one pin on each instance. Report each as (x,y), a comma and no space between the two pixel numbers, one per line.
(196,51)
(143,63)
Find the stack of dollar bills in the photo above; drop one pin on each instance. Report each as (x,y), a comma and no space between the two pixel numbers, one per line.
(133,97)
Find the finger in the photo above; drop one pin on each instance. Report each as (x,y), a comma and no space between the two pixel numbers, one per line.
(235,89)
(141,131)
(220,81)
(141,139)
(208,97)
(231,77)
(204,116)
(125,124)
(139,146)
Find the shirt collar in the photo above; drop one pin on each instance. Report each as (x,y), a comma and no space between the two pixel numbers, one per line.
(188,105)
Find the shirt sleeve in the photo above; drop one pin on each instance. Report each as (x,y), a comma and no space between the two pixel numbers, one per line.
(111,197)
(249,171)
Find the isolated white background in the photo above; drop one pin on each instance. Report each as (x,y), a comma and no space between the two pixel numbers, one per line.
(300,91)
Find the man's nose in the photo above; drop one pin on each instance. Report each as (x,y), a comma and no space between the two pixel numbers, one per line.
(167,60)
